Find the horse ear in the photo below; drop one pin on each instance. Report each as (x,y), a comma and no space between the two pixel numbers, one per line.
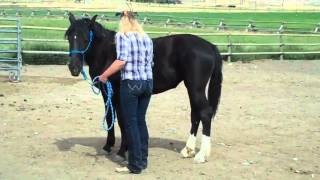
(93,19)
(72,19)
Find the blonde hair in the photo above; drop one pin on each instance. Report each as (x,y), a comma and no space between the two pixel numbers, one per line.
(130,24)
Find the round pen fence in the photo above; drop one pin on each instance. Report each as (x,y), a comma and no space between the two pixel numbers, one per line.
(229,46)
(10,48)
(229,49)
(215,23)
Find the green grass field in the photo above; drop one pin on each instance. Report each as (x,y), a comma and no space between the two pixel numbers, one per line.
(302,21)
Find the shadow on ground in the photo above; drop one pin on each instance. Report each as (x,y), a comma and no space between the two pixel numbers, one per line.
(98,142)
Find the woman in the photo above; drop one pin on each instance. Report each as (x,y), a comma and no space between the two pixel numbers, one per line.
(134,59)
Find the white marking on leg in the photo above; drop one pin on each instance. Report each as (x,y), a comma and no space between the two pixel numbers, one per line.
(191,142)
(205,150)
(189,149)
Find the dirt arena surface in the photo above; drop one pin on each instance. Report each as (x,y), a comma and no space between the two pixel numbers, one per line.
(267,127)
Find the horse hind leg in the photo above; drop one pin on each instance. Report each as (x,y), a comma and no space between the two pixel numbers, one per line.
(189,150)
(205,149)
(201,111)
(209,110)
(196,83)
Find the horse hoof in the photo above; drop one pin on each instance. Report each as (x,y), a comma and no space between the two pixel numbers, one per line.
(118,158)
(200,158)
(124,163)
(187,152)
(107,149)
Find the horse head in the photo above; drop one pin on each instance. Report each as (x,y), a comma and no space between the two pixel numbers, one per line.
(80,37)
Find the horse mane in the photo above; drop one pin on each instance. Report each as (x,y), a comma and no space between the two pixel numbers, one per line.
(100,32)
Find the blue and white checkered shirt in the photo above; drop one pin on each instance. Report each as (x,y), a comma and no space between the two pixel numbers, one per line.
(137,51)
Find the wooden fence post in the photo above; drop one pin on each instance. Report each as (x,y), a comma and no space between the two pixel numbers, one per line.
(49,12)
(18,13)
(145,19)
(167,22)
(316,30)
(281,46)
(221,26)
(229,47)
(2,13)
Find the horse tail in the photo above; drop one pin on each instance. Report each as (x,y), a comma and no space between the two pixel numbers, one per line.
(214,89)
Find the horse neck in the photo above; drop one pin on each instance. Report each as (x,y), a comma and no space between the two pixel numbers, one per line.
(101,53)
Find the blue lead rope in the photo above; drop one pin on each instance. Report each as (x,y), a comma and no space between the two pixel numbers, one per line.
(95,80)
(108,104)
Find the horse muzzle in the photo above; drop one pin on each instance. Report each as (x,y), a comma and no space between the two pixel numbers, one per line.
(74,70)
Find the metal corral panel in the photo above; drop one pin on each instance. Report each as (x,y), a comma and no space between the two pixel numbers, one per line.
(10,49)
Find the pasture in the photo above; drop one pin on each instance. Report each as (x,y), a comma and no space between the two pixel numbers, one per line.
(298,22)
(267,126)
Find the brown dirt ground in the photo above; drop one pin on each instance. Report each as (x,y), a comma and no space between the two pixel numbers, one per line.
(267,127)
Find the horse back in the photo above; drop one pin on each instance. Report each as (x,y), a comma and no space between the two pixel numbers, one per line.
(176,56)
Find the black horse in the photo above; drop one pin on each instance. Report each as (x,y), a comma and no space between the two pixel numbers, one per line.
(177,58)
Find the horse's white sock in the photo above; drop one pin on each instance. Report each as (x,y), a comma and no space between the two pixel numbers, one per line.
(191,142)
(205,150)
(189,149)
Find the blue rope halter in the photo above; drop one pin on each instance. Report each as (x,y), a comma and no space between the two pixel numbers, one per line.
(108,104)
(82,52)
(95,80)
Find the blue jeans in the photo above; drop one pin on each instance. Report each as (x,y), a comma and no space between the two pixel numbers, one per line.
(134,99)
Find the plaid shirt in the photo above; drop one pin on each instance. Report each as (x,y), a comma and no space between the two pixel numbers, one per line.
(137,51)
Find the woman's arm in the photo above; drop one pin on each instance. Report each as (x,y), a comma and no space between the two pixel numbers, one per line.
(122,54)
(115,67)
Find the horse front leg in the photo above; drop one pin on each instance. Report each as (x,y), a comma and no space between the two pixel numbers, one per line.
(111,135)
(123,146)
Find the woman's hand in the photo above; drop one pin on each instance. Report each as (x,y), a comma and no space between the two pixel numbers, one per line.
(103,78)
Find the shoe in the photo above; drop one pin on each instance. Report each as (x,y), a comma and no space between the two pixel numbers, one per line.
(143,167)
(123,170)
(124,163)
